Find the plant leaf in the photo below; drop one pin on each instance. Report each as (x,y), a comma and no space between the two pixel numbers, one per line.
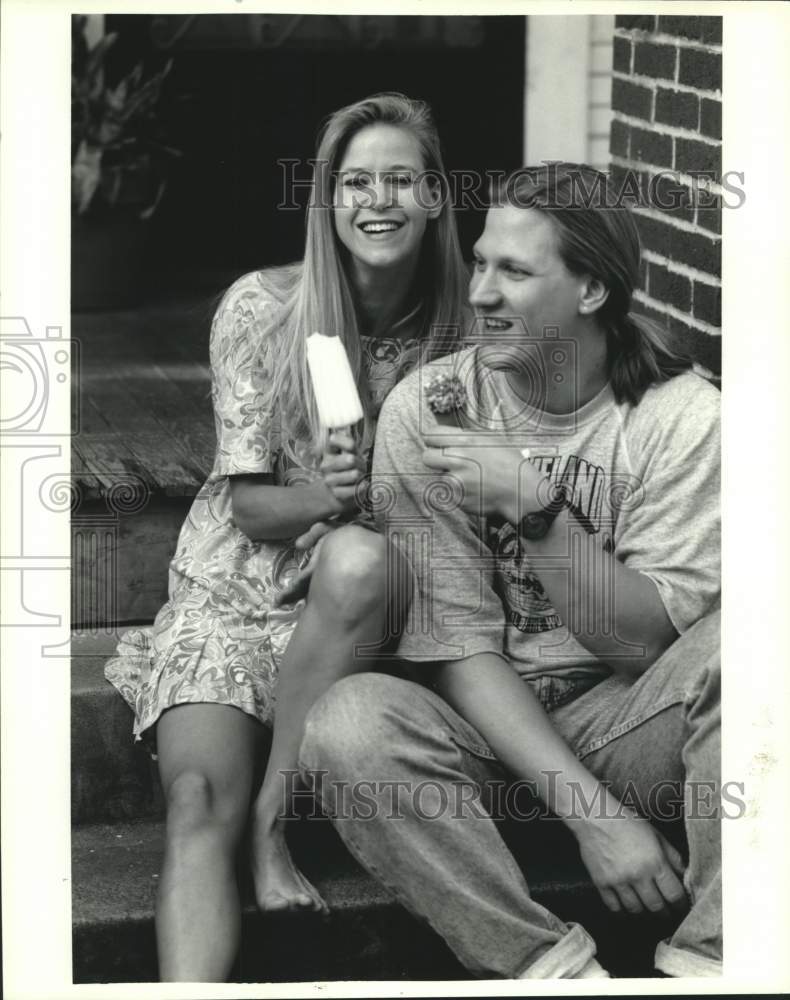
(98,52)
(85,175)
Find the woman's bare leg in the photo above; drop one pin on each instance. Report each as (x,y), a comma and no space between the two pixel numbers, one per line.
(206,762)
(358,593)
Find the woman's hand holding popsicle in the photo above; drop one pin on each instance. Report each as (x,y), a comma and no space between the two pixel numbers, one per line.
(342,468)
(340,473)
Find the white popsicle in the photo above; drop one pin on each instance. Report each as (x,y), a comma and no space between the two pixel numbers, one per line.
(335,390)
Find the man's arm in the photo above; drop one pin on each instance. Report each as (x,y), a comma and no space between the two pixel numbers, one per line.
(630,863)
(615,612)
(629,606)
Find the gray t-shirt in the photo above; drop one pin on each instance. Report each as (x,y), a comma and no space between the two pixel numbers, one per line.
(645,484)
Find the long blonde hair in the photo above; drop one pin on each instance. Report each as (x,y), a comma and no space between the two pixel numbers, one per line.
(322,298)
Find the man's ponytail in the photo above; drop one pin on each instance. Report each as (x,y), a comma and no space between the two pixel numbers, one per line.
(640,354)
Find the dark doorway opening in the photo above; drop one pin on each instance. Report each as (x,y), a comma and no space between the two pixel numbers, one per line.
(247,90)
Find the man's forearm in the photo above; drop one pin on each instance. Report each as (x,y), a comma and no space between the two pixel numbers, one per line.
(615,612)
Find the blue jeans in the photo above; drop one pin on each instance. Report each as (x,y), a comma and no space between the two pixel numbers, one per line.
(374,741)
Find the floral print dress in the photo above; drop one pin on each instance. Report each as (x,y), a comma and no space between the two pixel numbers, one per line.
(219,637)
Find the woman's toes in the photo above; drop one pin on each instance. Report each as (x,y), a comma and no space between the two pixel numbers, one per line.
(273,902)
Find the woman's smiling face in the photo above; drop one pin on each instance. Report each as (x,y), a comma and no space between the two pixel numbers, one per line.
(382,205)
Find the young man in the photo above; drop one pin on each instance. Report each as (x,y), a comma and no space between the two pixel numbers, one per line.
(562,527)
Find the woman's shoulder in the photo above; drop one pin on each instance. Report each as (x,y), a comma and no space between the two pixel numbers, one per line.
(266,287)
(249,307)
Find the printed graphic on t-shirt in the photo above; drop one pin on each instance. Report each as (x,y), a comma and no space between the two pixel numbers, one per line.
(584,481)
(526,603)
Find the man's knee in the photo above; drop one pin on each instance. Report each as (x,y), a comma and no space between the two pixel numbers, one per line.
(362,725)
(337,729)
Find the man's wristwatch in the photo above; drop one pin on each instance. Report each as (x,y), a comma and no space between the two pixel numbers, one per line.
(535,525)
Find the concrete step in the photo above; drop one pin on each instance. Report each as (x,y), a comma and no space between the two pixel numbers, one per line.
(112,778)
(120,551)
(117,849)
(115,872)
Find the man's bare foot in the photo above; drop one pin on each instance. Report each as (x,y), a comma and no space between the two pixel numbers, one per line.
(279,885)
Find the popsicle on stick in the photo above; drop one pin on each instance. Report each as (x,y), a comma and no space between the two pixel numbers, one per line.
(335,390)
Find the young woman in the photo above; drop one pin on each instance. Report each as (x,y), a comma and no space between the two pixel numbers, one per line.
(382,268)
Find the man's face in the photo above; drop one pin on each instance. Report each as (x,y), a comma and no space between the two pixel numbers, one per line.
(520,280)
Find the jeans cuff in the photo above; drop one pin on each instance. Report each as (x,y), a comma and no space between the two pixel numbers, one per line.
(564,959)
(679,962)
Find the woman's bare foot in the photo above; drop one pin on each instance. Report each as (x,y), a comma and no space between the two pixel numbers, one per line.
(279,885)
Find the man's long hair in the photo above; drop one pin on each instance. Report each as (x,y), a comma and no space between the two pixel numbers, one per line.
(599,238)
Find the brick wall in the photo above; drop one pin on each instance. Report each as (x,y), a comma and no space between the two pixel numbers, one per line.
(665,146)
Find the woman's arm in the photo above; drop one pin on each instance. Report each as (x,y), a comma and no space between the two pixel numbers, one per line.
(263,511)
(632,866)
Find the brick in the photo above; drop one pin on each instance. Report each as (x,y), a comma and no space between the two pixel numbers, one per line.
(643,23)
(704,195)
(667,194)
(696,250)
(674,289)
(710,118)
(619,139)
(625,183)
(707,303)
(697,344)
(651,147)
(710,219)
(698,29)
(632,99)
(692,156)
(700,69)
(621,62)
(657,61)
(681,334)
(644,180)
(643,275)
(677,107)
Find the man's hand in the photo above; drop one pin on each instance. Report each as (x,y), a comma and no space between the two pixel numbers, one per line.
(496,479)
(342,468)
(633,867)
